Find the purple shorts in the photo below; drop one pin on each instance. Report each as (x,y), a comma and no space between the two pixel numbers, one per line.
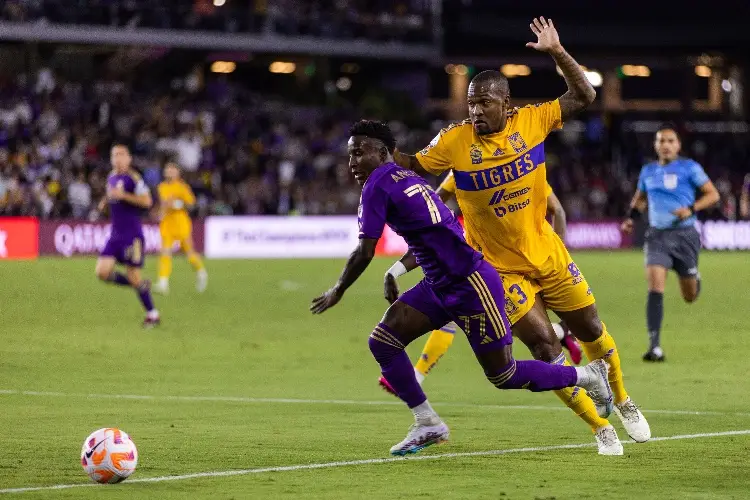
(126,250)
(476,304)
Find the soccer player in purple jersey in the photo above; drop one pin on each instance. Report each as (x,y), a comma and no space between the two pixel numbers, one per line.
(127,196)
(458,286)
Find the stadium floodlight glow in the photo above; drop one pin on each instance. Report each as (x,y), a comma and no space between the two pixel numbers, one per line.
(594,77)
(223,67)
(450,69)
(344,83)
(635,70)
(282,67)
(513,70)
(703,71)
(726,86)
(219,3)
(462,69)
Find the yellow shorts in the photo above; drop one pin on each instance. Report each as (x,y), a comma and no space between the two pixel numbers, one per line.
(177,231)
(559,280)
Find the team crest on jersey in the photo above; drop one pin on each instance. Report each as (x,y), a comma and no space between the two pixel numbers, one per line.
(670,181)
(475,153)
(517,142)
(498,152)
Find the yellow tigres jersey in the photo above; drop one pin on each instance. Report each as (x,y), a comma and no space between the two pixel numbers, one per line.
(500,181)
(178,190)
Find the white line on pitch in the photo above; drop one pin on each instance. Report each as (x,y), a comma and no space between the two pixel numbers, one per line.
(240,399)
(369,461)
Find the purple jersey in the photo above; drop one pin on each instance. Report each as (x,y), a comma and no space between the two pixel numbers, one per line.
(126,218)
(403,200)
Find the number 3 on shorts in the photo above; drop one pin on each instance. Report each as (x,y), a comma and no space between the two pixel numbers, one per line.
(517,290)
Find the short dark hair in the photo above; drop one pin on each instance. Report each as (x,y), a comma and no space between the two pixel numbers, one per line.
(120,144)
(669,126)
(492,78)
(375,130)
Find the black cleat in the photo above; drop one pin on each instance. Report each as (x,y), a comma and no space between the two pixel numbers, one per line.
(654,357)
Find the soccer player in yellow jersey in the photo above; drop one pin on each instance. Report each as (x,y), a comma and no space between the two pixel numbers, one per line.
(176,198)
(498,163)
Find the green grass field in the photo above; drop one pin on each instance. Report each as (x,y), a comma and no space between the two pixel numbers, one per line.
(244,378)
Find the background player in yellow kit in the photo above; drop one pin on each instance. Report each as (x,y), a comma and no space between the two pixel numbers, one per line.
(498,163)
(175,199)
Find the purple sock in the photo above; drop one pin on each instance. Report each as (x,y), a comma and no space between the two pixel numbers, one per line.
(388,350)
(144,293)
(118,279)
(535,376)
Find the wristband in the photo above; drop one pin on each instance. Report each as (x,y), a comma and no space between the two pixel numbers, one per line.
(634,214)
(397,269)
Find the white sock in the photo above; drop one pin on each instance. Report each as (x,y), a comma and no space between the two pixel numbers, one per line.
(164,282)
(419,375)
(153,314)
(424,414)
(558,331)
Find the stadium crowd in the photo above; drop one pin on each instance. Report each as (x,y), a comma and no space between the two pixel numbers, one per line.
(380,20)
(248,154)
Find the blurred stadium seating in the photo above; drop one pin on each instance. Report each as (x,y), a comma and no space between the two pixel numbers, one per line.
(253,142)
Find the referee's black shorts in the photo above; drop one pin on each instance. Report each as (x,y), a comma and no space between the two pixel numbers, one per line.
(674,249)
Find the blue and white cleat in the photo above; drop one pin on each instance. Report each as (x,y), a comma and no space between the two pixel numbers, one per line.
(596,383)
(421,436)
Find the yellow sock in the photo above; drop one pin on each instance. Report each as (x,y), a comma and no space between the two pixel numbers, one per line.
(604,347)
(195,261)
(165,266)
(436,346)
(579,401)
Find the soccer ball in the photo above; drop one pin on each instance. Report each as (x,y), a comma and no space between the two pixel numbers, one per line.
(109,456)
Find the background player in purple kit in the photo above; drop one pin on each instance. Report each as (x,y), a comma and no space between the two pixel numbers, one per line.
(127,196)
(458,286)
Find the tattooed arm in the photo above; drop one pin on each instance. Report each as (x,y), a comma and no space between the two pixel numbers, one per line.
(580,92)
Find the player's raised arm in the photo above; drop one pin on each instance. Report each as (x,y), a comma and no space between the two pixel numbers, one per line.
(557,213)
(580,92)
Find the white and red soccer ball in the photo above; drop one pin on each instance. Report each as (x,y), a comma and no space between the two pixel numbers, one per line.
(109,456)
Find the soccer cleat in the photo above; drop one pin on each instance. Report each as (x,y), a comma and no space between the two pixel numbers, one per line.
(633,420)
(162,286)
(421,436)
(152,320)
(598,386)
(655,355)
(386,386)
(201,280)
(574,348)
(607,441)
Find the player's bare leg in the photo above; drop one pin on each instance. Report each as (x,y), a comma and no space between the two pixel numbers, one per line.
(656,276)
(165,271)
(537,333)
(400,325)
(201,276)
(598,344)
(143,288)
(105,271)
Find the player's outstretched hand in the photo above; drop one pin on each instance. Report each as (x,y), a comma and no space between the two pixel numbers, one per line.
(325,301)
(547,38)
(627,226)
(390,288)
